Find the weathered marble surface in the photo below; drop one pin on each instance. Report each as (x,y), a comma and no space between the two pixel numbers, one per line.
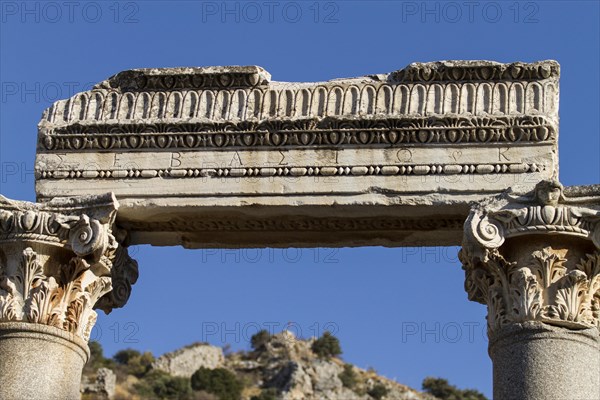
(534,360)
(225,157)
(40,362)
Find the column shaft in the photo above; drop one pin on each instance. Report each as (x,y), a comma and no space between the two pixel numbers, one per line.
(538,361)
(40,362)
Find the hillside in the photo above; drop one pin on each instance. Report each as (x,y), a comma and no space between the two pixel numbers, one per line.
(281,367)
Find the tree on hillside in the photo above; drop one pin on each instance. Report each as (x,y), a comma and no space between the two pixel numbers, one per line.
(219,381)
(441,389)
(136,363)
(327,346)
(259,339)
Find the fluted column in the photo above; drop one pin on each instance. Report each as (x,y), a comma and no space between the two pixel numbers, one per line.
(58,261)
(534,260)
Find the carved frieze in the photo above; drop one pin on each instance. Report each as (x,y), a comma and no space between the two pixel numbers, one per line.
(328,133)
(475,71)
(296,171)
(477,88)
(297,224)
(187,78)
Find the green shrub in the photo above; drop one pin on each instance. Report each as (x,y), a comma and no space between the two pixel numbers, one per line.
(348,376)
(174,387)
(327,346)
(378,391)
(259,339)
(472,394)
(136,363)
(159,384)
(220,382)
(123,356)
(441,389)
(266,394)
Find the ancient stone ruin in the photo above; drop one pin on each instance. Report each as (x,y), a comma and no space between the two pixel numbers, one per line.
(184,362)
(224,157)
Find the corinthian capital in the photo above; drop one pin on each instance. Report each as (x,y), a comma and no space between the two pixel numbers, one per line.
(59,260)
(534,257)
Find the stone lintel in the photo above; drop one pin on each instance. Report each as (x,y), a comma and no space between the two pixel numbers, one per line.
(225,157)
(224,226)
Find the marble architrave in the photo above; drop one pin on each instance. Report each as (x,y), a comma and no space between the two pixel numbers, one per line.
(225,157)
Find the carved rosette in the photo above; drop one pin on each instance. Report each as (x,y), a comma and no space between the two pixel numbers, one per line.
(59,260)
(535,258)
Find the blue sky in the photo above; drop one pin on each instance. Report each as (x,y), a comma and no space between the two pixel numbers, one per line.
(401,311)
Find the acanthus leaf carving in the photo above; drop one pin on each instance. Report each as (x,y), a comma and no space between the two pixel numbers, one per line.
(542,290)
(55,267)
(63,301)
(571,302)
(547,266)
(545,285)
(590,266)
(40,309)
(10,305)
(526,296)
(31,272)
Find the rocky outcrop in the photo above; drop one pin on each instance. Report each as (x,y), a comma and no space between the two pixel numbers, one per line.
(281,367)
(288,366)
(184,362)
(102,388)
